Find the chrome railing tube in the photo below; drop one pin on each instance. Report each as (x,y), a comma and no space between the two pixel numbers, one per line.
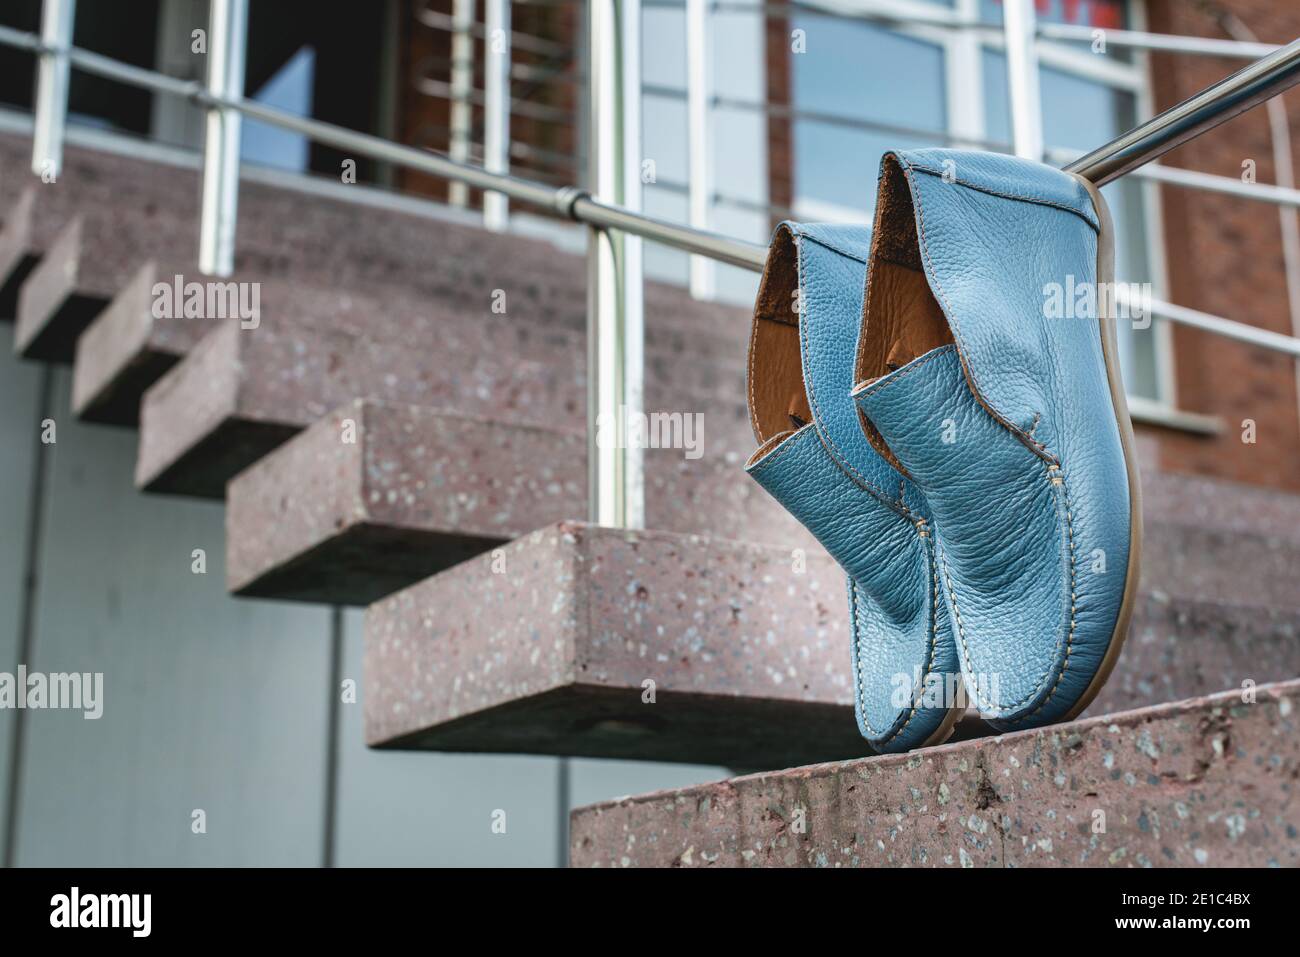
(52,75)
(227,42)
(1231,96)
(615,321)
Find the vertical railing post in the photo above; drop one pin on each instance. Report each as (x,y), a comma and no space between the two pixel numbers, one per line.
(699,95)
(496,108)
(964,61)
(227,40)
(1020,27)
(461,87)
(53,71)
(615,320)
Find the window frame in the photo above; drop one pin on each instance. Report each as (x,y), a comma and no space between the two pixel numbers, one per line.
(966,117)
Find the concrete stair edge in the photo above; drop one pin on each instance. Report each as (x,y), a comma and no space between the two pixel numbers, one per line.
(452,661)
(438,487)
(1202,781)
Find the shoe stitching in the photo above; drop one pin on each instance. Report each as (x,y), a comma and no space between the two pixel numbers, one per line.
(929,665)
(833,248)
(860,681)
(848,466)
(904,514)
(955,326)
(753,409)
(1034,200)
(779,451)
(880,385)
(836,452)
(1069,641)
(1074,605)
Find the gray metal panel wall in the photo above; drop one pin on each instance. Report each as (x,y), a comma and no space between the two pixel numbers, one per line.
(210,703)
(19,410)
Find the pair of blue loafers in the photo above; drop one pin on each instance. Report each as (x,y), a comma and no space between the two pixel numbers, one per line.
(962,452)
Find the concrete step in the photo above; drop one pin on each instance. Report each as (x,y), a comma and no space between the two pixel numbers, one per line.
(351,239)
(544,646)
(1220,504)
(238,394)
(116,200)
(482,482)
(241,393)
(1207,781)
(90,231)
(61,297)
(377,496)
(18,251)
(128,348)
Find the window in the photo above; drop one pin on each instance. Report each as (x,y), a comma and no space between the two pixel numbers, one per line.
(321,58)
(939,85)
(861,71)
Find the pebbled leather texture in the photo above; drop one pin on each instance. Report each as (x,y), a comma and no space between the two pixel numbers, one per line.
(1011,433)
(871,519)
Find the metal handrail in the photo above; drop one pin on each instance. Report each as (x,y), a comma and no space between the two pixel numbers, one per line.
(1226,99)
(95,63)
(1231,96)
(886,15)
(1175,176)
(615,333)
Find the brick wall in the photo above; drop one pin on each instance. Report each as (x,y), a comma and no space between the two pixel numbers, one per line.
(1224,256)
(425,120)
(780,132)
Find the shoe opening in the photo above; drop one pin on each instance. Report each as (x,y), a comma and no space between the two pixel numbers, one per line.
(778,400)
(901,319)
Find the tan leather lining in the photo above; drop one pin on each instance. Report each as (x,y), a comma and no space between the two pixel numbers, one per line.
(901,318)
(778,401)
(768,445)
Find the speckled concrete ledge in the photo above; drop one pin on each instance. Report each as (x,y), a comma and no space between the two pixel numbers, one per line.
(125,350)
(549,655)
(547,644)
(122,193)
(1218,503)
(417,490)
(1185,647)
(240,393)
(1222,564)
(1208,781)
(376,496)
(92,229)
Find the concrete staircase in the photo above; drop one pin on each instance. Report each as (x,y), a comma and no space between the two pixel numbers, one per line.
(386,435)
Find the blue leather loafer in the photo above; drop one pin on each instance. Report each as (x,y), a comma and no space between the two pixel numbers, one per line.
(814,459)
(1013,425)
